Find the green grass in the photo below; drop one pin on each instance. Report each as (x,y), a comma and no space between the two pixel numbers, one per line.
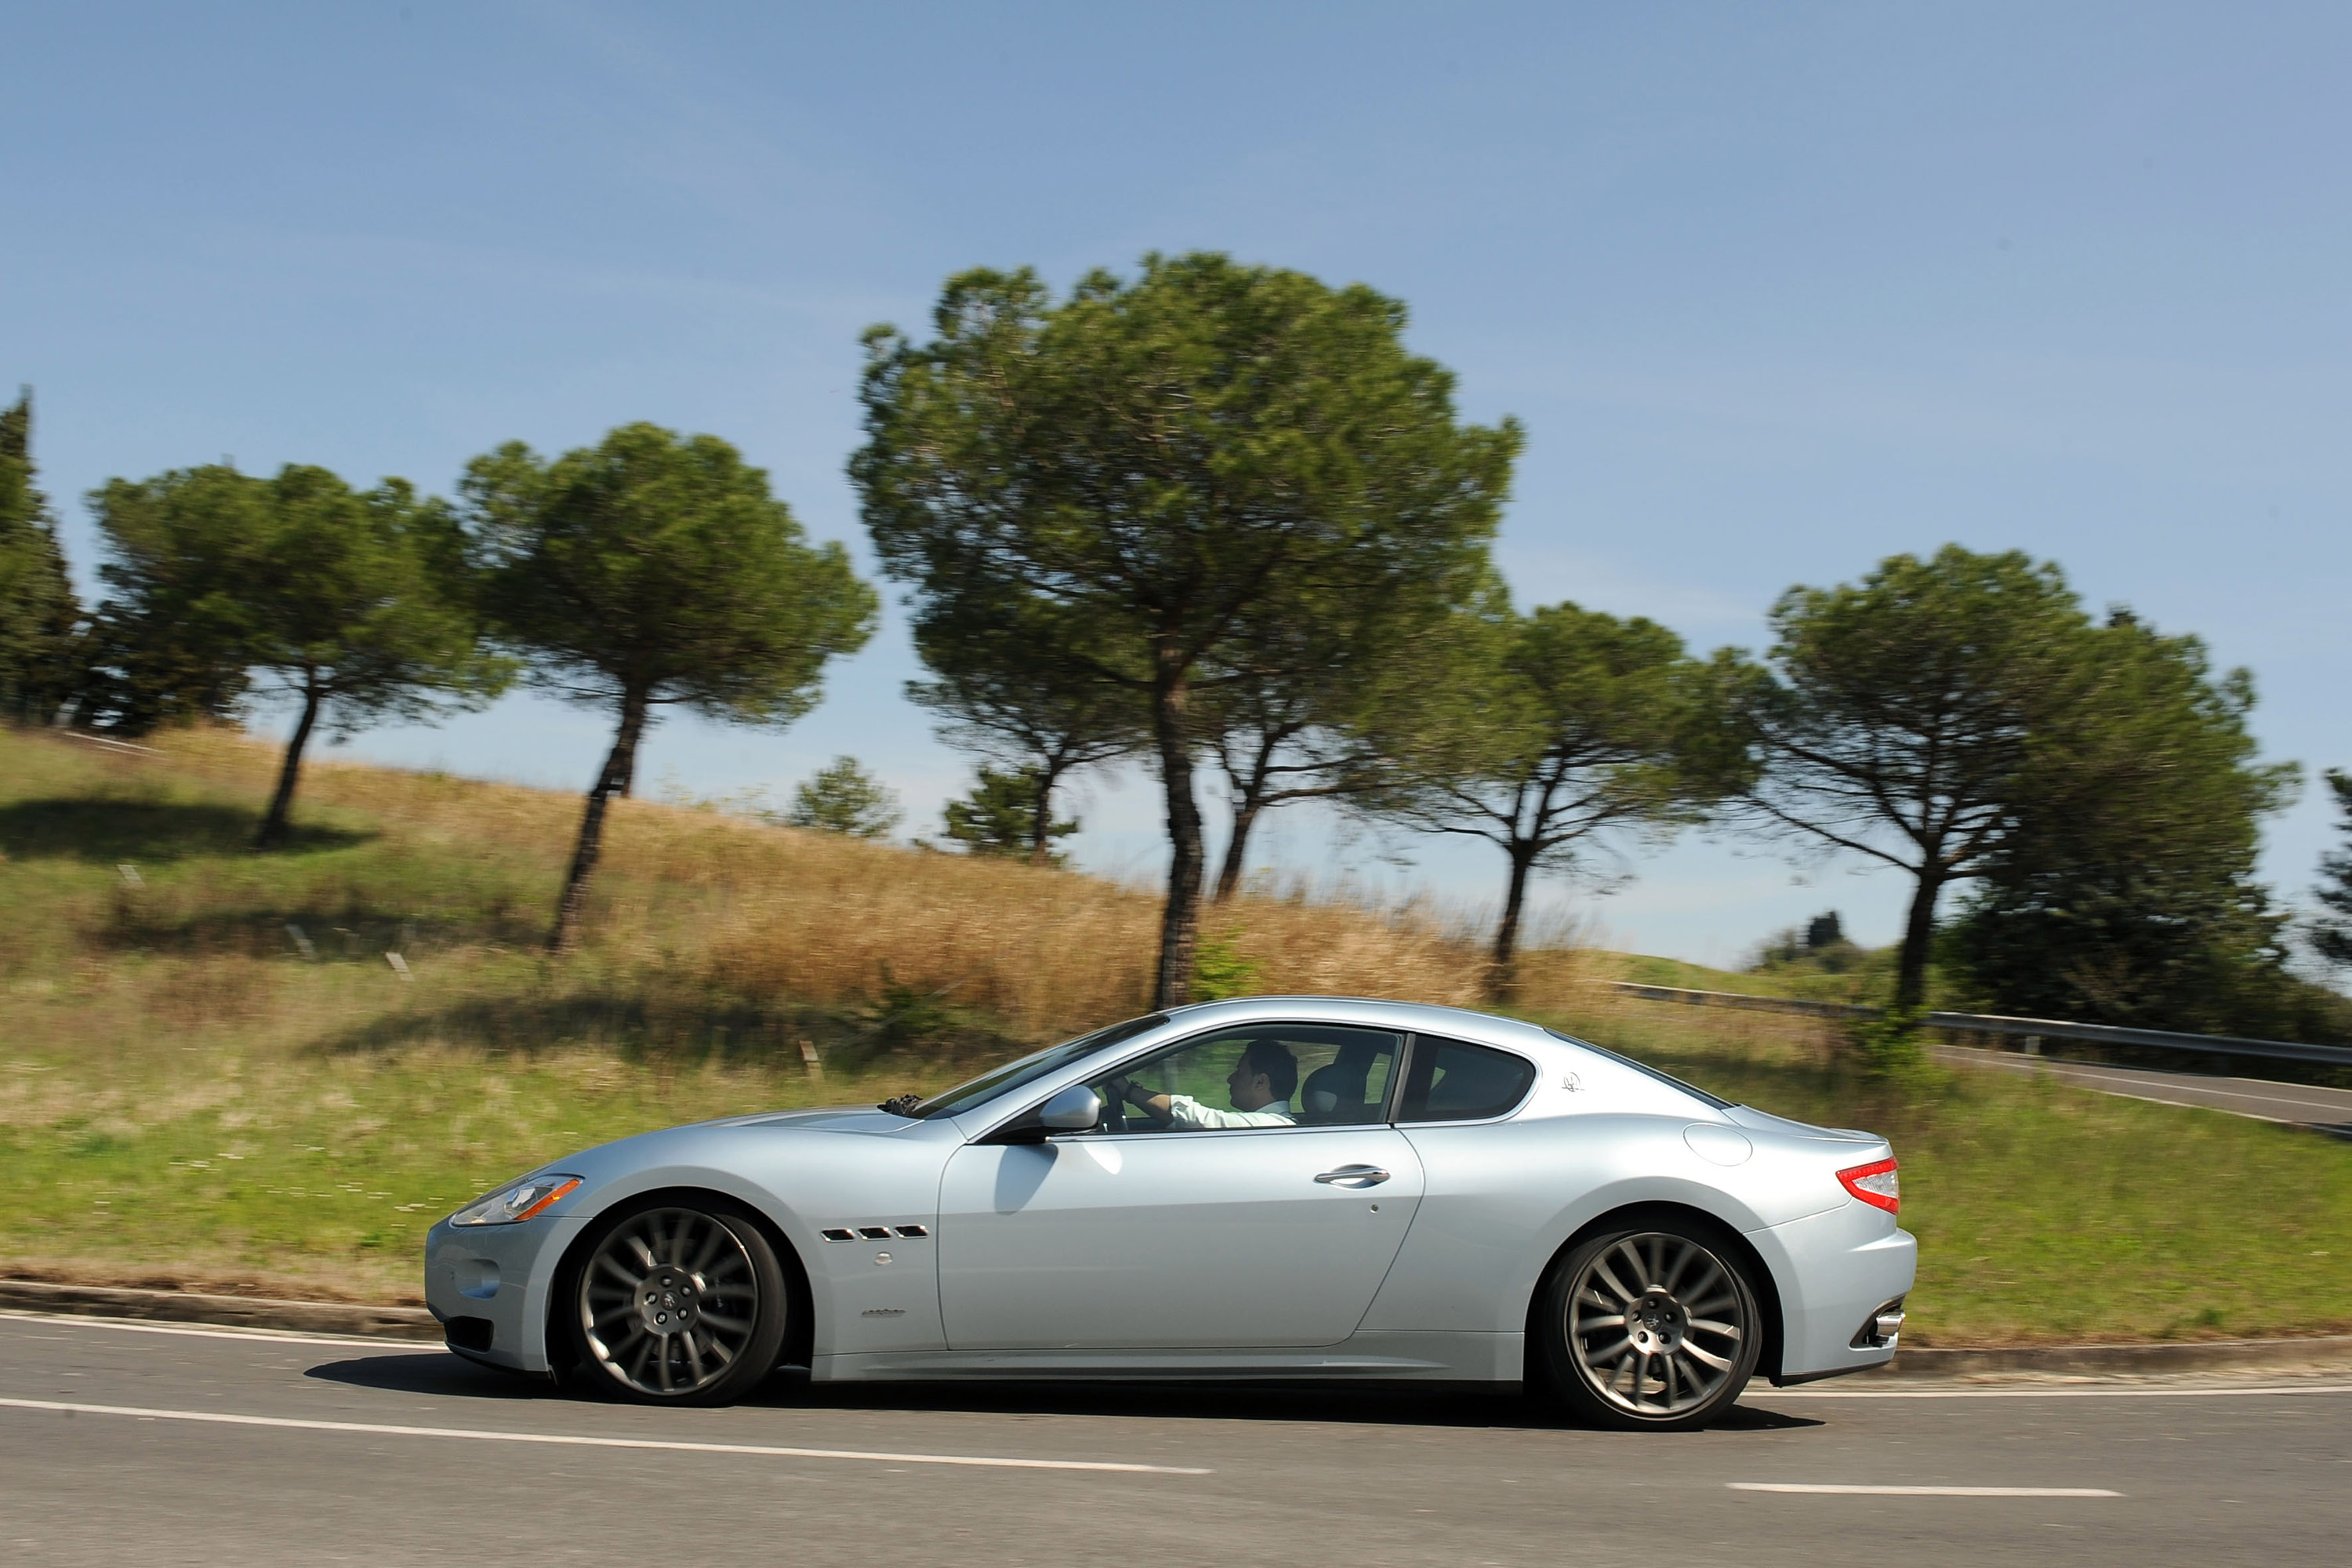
(318,1175)
(187,1096)
(1869,979)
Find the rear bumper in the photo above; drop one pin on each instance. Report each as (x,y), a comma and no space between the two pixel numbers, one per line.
(1836,1270)
(490,1287)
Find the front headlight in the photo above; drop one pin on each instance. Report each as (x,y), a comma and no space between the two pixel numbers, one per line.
(512,1205)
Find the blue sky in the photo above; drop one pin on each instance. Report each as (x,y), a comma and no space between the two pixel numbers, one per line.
(1776,290)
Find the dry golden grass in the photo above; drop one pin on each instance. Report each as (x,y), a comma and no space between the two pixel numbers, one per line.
(1043,951)
(769,911)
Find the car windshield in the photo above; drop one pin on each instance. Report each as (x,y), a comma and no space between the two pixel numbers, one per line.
(1646,1069)
(1029,1068)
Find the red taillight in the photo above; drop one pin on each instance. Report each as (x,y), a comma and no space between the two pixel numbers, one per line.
(1876,1183)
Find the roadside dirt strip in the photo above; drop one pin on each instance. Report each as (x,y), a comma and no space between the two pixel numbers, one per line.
(222,1311)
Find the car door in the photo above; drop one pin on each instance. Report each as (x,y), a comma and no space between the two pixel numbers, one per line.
(1145,1237)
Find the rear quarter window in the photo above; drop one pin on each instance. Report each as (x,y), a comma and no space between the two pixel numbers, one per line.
(1453,1081)
(1647,1070)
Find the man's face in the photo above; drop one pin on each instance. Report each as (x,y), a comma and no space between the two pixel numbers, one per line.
(1249,1088)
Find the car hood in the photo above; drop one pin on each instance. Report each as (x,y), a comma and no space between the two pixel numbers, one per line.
(693,1140)
(837,1119)
(829,1118)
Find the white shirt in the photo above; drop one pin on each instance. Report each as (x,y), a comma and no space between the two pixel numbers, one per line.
(1186,1112)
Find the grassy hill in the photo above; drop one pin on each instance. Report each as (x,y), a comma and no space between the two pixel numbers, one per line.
(210,1073)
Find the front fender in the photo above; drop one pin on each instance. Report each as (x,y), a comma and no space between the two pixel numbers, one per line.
(803,1181)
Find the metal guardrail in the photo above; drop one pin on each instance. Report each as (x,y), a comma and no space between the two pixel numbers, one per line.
(1994,1024)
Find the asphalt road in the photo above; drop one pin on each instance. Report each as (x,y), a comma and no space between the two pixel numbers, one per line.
(2306,1105)
(158,1445)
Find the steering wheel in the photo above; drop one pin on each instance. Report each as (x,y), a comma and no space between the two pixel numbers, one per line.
(1114,1111)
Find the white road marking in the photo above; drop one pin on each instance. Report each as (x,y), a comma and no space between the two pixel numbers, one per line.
(570,1440)
(1919,1491)
(2196,1104)
(2206,1393)
(2164,1088)
(267,1336)
(2156,1091)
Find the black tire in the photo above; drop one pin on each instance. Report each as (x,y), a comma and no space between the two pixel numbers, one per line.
(673,1300)
(1667,1352)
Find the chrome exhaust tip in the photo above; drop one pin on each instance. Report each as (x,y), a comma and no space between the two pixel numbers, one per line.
(1882,1326)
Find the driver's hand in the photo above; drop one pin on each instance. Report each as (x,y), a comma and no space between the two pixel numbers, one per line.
(1117,1087)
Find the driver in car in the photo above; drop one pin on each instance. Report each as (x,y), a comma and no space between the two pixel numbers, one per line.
(1260,1087)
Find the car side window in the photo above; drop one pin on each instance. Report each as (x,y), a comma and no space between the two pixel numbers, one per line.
(1262,1075)
(1451,1080)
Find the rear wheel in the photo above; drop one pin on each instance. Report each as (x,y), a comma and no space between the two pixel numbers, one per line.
(677,1303)
(1653,1329)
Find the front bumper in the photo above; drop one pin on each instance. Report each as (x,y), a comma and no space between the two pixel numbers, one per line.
(489,1286)
(1836,1270)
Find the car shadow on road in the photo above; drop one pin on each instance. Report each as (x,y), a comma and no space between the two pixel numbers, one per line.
(1378,1404)
(436,1374)
(439,1375)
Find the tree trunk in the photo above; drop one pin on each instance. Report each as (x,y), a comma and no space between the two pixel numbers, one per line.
(1918,932)
(281,805)
(1502,974)
(1179,921)
(1229,875)
(1041,831)
(1249,799)
(626,785)
(620,767)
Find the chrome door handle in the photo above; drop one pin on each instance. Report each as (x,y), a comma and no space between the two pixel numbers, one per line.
(1354,1177)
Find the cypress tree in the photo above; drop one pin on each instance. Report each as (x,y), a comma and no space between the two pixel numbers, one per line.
(39,615)
(2332,934)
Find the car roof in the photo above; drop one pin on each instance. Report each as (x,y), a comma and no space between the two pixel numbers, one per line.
(1417,1017)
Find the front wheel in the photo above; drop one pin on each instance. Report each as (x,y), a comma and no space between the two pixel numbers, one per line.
(678,1303)
(1649,1330)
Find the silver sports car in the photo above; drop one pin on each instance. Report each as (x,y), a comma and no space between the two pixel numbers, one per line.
(1279,1187)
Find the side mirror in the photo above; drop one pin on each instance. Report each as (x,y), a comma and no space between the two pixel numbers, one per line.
(1077,1109)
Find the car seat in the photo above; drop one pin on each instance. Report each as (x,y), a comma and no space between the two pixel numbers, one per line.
(1336,1092)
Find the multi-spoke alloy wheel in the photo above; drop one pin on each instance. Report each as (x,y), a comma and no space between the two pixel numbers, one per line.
(679,1305)
(1651,1329)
